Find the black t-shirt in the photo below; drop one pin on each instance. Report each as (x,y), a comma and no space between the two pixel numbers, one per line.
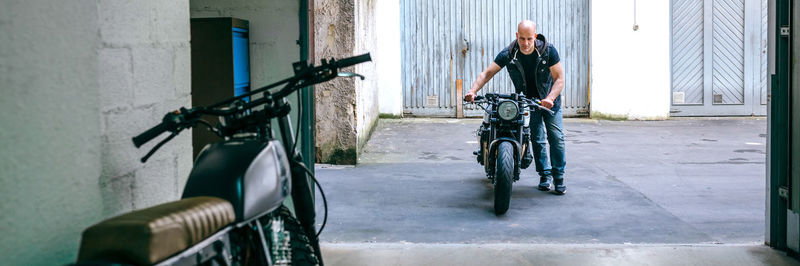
(528,63)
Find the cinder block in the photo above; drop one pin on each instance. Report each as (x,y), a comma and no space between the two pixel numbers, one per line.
(183,147)
(224,5)
(126,22)
(169,105)
(172,21)
(155,183)
(263,58)
(116,77)
(117,194)
(182,74)
(128,123)
(152,74)
(119,155)
(202,13)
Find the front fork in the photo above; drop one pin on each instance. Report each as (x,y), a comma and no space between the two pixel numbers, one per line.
(302,191)
(485,134)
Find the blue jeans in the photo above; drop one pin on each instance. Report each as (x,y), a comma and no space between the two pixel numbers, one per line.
(541,120)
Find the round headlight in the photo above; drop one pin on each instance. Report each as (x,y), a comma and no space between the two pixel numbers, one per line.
(508,110)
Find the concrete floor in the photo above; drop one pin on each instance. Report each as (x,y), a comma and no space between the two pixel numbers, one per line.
(646,185)
(533,254)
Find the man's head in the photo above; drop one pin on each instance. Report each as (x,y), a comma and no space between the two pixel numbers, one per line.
(526,34)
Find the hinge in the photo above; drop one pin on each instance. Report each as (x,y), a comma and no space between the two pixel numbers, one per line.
(783,192)
(784,30)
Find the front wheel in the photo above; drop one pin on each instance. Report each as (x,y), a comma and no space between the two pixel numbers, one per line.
(503,176)
(287,240)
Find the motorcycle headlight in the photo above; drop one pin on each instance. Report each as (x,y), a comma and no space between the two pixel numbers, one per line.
(507,110)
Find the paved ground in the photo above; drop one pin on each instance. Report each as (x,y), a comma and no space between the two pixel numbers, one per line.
(534,254)
(676,192)
(686,181)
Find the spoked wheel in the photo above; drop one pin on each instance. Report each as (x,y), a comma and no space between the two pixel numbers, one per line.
(288,242)
(504,174)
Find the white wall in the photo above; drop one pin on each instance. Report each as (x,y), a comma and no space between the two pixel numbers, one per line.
(79,79)
(630,70)
(366,90)
(387,57)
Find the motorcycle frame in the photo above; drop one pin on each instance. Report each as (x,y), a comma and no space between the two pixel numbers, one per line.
(276,106)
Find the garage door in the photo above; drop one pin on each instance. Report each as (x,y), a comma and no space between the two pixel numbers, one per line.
(448,43)
(719,57)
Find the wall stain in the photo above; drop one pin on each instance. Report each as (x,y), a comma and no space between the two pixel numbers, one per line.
(750,150)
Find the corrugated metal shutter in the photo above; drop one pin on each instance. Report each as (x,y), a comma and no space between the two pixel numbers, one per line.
(448,40)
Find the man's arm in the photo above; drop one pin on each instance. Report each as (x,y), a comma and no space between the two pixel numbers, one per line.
(481,80)
(558,85)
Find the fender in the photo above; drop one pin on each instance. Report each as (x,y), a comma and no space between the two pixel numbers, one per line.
(496,142)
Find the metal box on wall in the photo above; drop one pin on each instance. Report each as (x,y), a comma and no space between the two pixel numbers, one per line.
(220,66)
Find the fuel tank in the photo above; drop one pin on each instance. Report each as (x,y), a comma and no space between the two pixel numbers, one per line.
(253,176)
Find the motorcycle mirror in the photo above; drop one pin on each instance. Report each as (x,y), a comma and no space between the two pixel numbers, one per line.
(350,74)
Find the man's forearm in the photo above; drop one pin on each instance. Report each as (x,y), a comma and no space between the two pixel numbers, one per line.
(478,84)
(558,85)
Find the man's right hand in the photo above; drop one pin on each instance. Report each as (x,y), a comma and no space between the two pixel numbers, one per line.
(469,97)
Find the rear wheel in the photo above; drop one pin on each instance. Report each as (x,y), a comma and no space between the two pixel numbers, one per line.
(503,176)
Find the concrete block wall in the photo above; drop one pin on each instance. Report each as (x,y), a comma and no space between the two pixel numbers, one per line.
(346,109)
(145,72)
(79,79)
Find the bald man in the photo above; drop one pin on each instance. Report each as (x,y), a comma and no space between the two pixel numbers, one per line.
(535,69)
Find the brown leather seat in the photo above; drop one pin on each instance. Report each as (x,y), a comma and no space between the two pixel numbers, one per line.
(150,235)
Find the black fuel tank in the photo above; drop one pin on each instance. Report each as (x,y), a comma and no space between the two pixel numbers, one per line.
(253,176)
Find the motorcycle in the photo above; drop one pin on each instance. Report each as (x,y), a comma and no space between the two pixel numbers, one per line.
(231,211)
(503,137)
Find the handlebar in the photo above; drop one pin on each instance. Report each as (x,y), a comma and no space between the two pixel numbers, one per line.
(171,122)
(305,75)
(539,106)
(150,134)
(535,102)
(346,62)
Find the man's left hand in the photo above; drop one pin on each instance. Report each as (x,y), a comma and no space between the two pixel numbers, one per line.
(547,103)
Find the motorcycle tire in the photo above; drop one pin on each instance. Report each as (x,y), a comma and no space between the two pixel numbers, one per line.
(302,250)
(504,174)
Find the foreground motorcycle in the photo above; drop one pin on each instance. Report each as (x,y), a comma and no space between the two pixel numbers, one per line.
(231,211)
(503,137)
